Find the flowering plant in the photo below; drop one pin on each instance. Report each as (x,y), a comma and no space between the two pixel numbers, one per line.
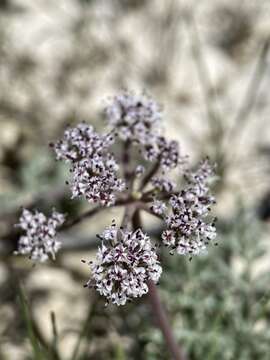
(130,165)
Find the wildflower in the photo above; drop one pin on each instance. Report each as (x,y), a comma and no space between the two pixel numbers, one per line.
(158,207)
(39,241)
(164,151)
(93,168)
(134,117)
(189,229)
(124,263)
(162,184)
(139,171)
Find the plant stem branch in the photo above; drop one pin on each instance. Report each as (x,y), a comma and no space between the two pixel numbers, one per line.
(161,319)
(126,221)
(85,330)
(81,217)
(251,92)
(158,309)
(89,213)
(126,158)
(151,173)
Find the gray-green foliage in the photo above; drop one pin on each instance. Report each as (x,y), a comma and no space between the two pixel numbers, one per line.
(219,304)
(37,178)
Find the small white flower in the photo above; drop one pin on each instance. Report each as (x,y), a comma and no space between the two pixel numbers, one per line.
(93,168)
(109,233)
(139,171)
(165,151)
(39,241)
(135,117)
(124,265)
(189,229)
(162,184)
(158,207)
(168,237)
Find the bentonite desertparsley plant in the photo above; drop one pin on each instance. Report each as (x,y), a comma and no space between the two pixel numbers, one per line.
(132,165)
(39,241)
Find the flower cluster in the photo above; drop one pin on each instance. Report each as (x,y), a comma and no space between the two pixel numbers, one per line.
(39,241)
(163,184)
(123,265)
(164,151)
(126,260)
(135,117)
(158,207)
(139,171)
(189,229)
(92,166)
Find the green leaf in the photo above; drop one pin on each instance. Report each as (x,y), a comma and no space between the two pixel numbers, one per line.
(37,351)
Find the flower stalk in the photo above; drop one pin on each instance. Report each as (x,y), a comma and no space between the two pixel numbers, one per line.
(159,313)
(161,318)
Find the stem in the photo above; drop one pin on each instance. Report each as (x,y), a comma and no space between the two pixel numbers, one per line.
(126,159)
(41,347)
(158,309)
(54,352)
(54,345)
(94,211)
(251,92)
(85,330)
(151,173)
(81,217)
(128,174)
(161,319)
(126,221)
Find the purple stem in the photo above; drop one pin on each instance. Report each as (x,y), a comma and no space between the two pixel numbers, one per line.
(89,213)
(149,176)
(126,163)
(158,310)
(162,321)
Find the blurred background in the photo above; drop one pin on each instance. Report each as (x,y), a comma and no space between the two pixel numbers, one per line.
(207,62)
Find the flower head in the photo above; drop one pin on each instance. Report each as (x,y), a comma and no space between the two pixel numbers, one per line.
(189,227)
(139,171)
(163,184)
(124,263)
(93,168)
(134,117)
(39,241)
(164,151)
(158,207)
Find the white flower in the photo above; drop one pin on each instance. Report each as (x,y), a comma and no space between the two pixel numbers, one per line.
(93,168)
(162,184)
(124,265)
(189,229)
(39,241)
(164,151)
(158,207)
(110,233)
(139,171)
(168,238)
(134,117)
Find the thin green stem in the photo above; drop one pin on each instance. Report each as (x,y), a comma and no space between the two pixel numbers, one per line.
(84,331)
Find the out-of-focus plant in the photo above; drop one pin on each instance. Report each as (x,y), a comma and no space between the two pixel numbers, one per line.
(218,304)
